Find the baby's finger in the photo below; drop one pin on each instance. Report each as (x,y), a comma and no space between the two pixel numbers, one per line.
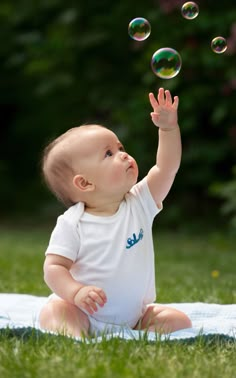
(161,97)
(97,298)
(176,102)
(168,97)
(88,309)
(153,101)
(90,305)
(155,118)
(102,295)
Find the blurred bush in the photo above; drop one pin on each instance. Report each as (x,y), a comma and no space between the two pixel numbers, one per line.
(227,191)
(67,63)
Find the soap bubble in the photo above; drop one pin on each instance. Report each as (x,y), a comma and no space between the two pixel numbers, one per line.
(166,63)
(219,45)
(190,10)
(139,29)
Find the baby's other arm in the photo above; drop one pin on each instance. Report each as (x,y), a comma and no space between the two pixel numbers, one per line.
(59,279)
(160,177)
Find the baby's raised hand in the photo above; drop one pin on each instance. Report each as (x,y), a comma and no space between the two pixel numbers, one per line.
(164,113)
(89,297)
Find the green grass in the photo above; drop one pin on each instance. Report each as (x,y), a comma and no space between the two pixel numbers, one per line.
(185,263)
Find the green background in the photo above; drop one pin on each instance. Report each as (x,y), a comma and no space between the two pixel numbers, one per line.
(67,63)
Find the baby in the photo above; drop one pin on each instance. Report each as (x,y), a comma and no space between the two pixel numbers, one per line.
(100,259)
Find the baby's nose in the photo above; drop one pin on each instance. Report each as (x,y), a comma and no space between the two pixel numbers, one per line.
(124,155)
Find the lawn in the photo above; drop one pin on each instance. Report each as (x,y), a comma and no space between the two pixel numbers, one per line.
(190,268)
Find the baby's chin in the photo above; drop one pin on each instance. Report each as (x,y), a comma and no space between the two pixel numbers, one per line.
(131,186)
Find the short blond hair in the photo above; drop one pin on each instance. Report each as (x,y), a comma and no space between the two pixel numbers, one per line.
(57,168)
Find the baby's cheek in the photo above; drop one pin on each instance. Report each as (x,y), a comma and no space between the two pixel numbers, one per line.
(117,175)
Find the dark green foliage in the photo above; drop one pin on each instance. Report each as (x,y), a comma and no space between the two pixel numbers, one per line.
(227,191)
(67,63)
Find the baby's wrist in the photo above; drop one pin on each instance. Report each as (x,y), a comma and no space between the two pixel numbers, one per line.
(76,293)
(170,128)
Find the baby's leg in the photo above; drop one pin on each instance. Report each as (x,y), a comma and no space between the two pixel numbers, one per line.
(163,319)
(62,317)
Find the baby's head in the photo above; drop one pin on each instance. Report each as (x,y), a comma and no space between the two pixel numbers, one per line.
(88,163)
(57,166)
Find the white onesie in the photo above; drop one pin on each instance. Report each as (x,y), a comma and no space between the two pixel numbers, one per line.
(114,252)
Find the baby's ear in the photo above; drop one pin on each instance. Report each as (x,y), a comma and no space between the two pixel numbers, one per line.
(81,183)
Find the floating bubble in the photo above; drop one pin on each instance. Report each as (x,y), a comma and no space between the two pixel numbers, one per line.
(190,10)
(166,63)
(219,45)
(139,29)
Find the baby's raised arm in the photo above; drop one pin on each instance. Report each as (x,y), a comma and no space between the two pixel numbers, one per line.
(160,177)
(59,279)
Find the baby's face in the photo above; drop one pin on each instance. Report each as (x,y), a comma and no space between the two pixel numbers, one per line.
(99,156)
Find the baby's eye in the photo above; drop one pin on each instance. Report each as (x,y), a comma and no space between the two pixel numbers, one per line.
(108,153)
(122,148)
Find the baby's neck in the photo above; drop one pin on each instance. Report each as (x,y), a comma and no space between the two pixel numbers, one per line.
(104,210)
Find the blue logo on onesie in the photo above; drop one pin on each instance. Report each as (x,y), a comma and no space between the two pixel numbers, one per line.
(134,240)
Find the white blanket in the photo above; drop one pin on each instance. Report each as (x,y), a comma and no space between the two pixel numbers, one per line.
(21,310)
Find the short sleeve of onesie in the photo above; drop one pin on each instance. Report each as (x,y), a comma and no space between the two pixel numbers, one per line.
(64,239)
(142,192)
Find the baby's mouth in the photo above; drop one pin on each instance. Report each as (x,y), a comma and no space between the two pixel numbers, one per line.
(130,166)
